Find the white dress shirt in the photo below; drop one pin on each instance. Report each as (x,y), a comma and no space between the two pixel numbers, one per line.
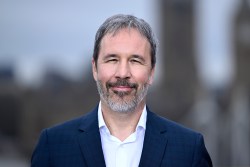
(125,153)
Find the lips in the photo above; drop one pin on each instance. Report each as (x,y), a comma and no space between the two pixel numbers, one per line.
(122,85)
(122,88)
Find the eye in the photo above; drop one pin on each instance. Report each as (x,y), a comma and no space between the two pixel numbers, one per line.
(137,61)
(112,60)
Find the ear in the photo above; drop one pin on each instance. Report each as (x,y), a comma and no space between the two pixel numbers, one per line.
(151,77)
(94,69)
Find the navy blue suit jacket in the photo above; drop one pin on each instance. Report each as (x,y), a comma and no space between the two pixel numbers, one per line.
(77,143)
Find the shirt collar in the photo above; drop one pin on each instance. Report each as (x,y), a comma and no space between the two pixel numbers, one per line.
(141,123)
(101,122)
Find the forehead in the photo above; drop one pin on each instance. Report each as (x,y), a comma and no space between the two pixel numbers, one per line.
(126,37)
(129,31)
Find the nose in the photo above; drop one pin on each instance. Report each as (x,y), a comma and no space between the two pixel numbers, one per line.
(123,71)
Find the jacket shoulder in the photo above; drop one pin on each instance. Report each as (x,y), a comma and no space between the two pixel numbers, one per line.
(170,126)
(73,125)
(181,142)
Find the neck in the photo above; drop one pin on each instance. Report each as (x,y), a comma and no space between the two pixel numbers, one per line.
(122,125)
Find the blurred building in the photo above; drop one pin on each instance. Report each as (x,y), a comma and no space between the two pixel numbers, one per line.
(179,80)
(227,127)
(240,110)
(10,114)
(24,112)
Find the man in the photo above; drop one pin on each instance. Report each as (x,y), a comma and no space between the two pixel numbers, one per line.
(121,131)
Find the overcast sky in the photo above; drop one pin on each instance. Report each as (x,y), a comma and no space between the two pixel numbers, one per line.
(61,33)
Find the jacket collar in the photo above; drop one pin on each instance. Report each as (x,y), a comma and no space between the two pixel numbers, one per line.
(90,141)
(155,141)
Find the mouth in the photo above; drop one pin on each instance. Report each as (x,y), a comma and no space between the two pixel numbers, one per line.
(122,87)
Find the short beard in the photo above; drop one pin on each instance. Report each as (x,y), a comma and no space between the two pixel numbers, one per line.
(120,104)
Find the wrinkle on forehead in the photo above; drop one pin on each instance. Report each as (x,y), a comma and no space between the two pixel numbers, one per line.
(122,41)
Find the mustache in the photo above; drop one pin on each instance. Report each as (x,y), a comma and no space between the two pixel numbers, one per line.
(121,82)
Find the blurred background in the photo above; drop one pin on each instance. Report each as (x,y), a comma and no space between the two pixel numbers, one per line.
(202,76)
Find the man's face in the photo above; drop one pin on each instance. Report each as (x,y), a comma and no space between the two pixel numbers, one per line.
(123,71)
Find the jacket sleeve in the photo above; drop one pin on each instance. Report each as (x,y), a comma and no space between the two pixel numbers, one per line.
(40,156)
(201,156)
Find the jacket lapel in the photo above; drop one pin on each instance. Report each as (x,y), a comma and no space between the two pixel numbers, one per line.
(90,140)
(155,142)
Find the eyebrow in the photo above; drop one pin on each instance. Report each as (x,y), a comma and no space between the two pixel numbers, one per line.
(109,56)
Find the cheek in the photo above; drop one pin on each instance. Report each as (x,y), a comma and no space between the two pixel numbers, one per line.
(142,76)
(104,74)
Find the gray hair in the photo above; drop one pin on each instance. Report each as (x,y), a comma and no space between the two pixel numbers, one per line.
(117,22)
